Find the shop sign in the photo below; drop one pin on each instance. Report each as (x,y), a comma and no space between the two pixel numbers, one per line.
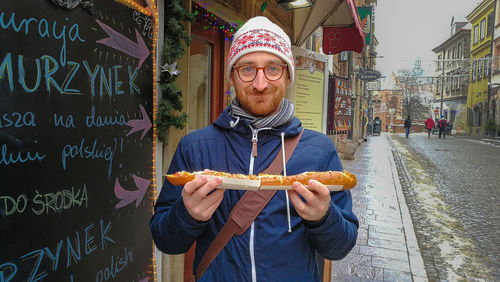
(368,75)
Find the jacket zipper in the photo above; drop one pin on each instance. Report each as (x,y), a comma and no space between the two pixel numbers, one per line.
(253,155)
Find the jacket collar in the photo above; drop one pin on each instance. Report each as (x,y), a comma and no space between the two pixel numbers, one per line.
(242,126)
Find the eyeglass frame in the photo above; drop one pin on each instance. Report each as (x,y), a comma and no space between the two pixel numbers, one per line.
(283,66)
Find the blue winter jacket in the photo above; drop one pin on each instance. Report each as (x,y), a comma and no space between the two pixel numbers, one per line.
(266,251)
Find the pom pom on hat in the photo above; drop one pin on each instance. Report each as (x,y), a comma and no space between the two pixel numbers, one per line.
(260,34)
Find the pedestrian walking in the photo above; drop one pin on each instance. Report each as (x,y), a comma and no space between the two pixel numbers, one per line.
(280,244)
(442,124)
(407,125)
(429,125)
(449,127)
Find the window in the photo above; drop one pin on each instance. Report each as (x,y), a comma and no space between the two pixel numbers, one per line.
(496,54)
(483,28)
(487,66)
(473,76)
(491,24)
(476,34)
(201,60)
(476,116)
(479,69)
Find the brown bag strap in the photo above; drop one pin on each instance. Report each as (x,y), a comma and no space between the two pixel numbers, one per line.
(247,209)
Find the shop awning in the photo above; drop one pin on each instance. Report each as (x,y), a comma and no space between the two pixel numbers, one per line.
(340,22)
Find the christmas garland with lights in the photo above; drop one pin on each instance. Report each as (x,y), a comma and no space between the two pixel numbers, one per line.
(170,105)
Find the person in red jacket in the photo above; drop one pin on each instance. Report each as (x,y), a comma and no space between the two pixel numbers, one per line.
(429,124)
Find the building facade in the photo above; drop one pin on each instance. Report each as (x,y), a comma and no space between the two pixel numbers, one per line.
(482,23)
(452,75)
(494,99)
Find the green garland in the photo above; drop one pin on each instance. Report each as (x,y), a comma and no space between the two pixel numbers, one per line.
(175,16)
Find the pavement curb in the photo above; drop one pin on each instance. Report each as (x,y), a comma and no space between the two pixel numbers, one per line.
(417,267)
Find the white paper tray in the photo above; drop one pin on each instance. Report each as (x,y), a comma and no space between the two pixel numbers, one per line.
(247,184)
(330,187)
(235,183)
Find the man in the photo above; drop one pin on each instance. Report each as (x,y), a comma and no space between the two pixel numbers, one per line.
(429,124)
(449,128)
(442,124)
(407,125)
(245,138)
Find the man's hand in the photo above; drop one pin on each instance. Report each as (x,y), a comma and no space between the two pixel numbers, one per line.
(317,200)
(199,202)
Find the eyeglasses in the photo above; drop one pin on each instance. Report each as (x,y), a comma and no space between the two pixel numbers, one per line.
(248,73)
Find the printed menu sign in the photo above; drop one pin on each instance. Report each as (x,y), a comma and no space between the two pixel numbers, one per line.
(76,141)
(309,91)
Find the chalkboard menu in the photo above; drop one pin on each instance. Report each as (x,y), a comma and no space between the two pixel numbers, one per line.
(76,141)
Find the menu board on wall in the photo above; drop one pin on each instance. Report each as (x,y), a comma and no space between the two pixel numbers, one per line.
(309,88)
(76,141)
(339,111)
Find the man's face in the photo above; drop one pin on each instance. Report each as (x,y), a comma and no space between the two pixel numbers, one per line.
(260,97)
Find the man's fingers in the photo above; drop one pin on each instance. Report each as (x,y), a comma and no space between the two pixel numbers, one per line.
(315,202)
(297,202)
(199,201)
(201,186)
(194,184)
(318,187)
(213,201)
(312,193)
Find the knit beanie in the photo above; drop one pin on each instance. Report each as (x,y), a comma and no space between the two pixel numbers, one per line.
(260,34)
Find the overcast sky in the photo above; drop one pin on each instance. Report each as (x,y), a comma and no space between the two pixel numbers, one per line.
(408,29)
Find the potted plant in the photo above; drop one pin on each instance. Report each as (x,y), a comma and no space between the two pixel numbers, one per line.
(491,127)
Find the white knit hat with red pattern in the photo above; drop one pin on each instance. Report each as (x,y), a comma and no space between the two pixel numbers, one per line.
(260,34)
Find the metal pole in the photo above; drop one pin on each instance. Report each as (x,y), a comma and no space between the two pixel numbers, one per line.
(442,92)
(353,104)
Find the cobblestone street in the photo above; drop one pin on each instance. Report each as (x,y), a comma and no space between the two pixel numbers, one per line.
(451,188)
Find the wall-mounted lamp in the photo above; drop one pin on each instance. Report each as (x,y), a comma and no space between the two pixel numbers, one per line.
(295,4)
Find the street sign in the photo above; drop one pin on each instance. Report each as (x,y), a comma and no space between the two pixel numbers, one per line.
(373,85)
(368,75)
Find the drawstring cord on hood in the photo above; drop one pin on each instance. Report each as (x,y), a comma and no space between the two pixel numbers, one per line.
(286,191)
(234,123)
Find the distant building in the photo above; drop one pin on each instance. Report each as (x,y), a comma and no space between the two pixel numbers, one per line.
(452,74)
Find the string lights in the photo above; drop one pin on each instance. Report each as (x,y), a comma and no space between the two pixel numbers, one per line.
(214,23)
(152,12)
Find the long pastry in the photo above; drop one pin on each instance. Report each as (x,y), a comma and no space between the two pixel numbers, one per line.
(344,178)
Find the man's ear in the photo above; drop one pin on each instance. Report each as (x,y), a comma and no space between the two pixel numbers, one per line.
(231,75)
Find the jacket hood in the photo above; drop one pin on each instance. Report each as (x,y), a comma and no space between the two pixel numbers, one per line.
(228,122)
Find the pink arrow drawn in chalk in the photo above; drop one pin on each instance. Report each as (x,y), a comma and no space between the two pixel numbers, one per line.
(127,196)
(121,43)
(140,124)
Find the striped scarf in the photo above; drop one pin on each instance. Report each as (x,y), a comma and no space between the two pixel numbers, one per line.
(282,117)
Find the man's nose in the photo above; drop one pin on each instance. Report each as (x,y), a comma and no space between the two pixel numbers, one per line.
(260,82)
